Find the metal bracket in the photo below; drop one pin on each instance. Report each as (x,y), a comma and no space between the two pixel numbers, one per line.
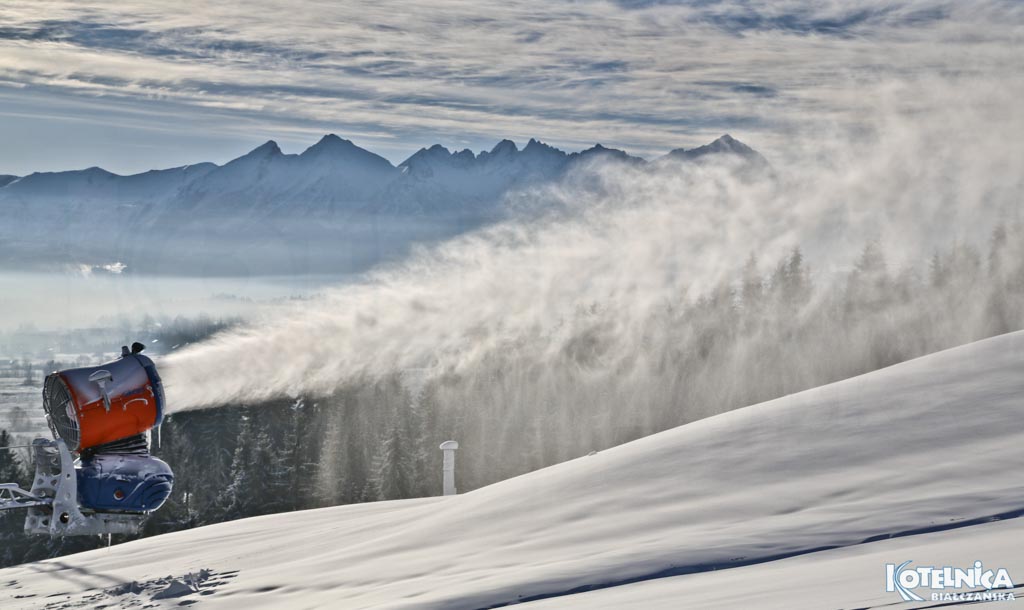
(12,496)
(102,378)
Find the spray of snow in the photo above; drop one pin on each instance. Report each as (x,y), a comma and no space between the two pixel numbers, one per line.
(620,242)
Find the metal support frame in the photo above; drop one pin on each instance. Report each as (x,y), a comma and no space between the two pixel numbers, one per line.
(13,496)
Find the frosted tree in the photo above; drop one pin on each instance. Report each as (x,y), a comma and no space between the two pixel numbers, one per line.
(296,463)
(868,285)
(329,470)
(253,489)
(393,466)
(752,284)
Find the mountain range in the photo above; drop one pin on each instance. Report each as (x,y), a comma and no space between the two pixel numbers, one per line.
(335,207)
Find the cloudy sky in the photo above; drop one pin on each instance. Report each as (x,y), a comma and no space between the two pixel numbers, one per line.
(133,85)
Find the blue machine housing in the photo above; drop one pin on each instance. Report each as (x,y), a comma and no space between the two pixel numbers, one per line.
(124,483)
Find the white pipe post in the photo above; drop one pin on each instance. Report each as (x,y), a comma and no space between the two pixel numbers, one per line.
(448,467)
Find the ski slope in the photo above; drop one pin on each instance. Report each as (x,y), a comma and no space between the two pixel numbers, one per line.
(789,504)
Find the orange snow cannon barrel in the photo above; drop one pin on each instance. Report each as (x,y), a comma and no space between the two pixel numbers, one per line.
(93,406)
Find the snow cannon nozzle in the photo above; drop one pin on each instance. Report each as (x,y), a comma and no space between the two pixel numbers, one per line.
(93,406)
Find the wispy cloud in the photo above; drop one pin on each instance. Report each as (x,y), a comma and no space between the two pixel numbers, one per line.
(644,75)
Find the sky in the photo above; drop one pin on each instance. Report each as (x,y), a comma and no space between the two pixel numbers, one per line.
(131,86)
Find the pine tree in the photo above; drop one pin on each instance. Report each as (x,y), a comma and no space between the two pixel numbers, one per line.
(328,491)
(296,470)
(265,494)
(342,473)
(868,286)
(252,487)
(429,406)
(790,283)
(418,447)
(357,485)
(393,466)
(752,288)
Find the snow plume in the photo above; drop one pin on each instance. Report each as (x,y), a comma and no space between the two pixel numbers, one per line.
(569,301)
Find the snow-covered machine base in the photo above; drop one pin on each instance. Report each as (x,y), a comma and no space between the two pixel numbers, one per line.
(56,480)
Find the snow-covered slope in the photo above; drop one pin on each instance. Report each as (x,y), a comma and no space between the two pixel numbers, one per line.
(851,576)
(924,451)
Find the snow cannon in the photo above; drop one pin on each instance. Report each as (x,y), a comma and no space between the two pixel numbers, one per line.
(101,415)
(91,407)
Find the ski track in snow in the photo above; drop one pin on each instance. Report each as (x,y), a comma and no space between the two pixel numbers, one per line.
(793,503)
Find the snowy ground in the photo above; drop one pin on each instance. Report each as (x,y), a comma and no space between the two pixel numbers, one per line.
(850,577)
(733,511)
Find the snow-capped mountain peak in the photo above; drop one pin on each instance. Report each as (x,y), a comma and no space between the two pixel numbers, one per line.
(535,149)
(344,156)
(724,145)
(503,149)
(435,152)
(267,149)
(95,170)
(536,145)
(505,146)
(600,152)
(332,145)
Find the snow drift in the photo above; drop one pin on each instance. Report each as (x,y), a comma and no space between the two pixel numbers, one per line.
(907,452)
